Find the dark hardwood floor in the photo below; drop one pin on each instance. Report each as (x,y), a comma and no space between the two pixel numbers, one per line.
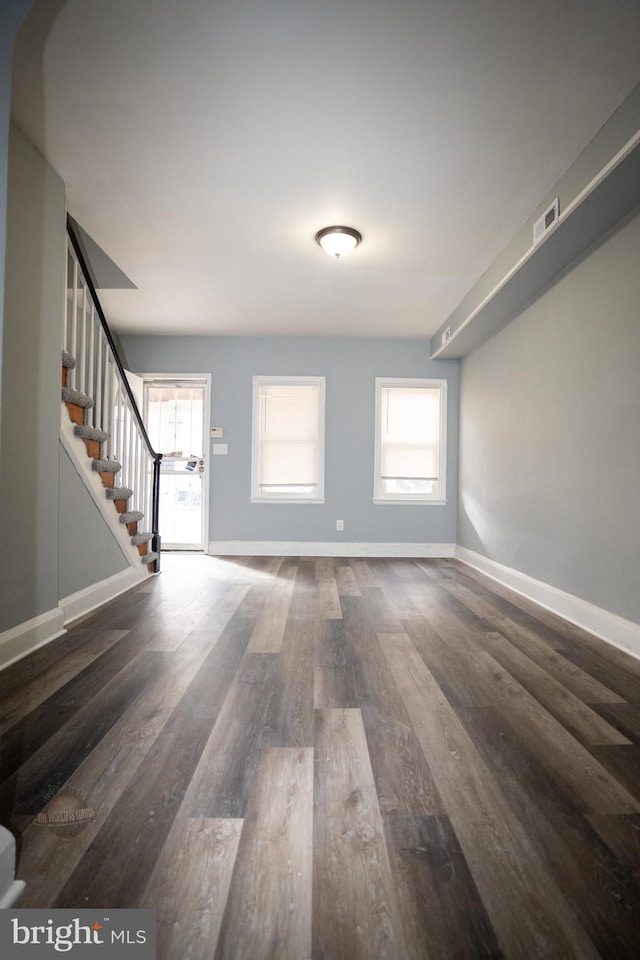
(331,759)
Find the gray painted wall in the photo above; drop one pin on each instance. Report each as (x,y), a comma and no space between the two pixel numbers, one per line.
(12,13)
(34,300)
(550,434)
(88,552)
(350,367)
(615,133)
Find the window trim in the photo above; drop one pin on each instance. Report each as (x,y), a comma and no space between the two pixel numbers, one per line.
(256,495)
(379,497)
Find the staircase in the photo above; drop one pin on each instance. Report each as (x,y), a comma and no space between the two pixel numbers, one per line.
(105,416)
(77,404)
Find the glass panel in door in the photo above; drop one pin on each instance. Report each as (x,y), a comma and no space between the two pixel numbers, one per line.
(175,418)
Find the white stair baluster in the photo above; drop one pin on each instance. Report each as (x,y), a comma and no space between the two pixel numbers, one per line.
(73,346)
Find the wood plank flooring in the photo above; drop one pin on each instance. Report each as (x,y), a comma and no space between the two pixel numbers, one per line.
(332,759)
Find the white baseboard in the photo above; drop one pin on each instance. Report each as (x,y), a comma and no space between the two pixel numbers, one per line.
(27,637)
(327,548)
(12,893)
(10,889)
(622,633)
(84,601)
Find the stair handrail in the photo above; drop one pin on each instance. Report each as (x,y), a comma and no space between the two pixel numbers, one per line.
(153,454)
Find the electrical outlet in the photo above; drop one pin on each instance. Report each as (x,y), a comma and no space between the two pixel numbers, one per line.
(339,524)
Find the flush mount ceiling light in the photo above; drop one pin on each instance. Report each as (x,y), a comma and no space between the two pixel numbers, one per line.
(338,241)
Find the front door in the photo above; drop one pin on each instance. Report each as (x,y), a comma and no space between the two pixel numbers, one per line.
(175,416)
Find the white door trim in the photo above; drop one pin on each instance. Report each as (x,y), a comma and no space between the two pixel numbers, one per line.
(196,378)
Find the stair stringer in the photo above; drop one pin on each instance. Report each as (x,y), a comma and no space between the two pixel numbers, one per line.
(77,452)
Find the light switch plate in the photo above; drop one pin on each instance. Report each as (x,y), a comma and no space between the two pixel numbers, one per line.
(220,449)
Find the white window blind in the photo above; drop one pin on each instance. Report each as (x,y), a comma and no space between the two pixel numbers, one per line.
(289,440)
(410,440)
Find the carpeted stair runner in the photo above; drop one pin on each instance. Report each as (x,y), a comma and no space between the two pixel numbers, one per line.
(68,363)
(93,439)
(131,518)
(77,404)
(120,496)
(141,541)
(107,470)
(90,433)
(139,538)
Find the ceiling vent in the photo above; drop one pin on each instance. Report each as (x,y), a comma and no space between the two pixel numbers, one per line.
(446,335)
(548,219)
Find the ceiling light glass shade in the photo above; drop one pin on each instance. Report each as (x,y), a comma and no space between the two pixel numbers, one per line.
(338,241)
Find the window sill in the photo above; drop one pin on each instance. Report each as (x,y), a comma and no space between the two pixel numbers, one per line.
(284,500)
(412,503)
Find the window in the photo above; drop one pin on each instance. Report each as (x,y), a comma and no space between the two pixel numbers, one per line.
(288,439)
(410,441)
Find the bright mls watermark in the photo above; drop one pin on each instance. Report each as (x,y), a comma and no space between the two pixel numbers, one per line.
(32,934)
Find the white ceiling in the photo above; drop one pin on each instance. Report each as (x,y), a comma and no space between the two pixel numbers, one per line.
(204,142)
